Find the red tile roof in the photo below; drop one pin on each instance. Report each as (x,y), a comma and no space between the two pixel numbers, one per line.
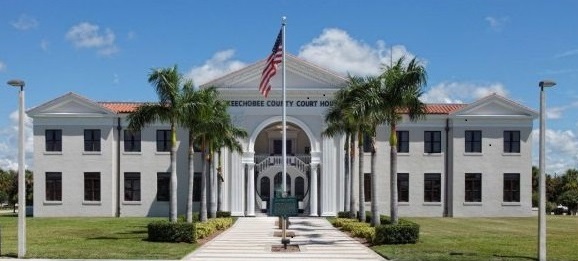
(121,107)
(443,108)
(128,107)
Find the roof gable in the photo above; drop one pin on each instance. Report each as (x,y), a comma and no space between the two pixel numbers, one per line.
(300,74)
(70,105)
(495,105)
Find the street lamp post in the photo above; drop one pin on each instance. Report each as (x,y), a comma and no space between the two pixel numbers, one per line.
(542,167)
(21,174)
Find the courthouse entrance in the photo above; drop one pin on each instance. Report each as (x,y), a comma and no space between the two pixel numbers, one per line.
(269,165)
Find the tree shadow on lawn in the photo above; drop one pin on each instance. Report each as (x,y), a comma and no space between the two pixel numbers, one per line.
(518,257)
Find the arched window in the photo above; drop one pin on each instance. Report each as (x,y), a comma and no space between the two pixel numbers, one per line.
(299,188)
(265,188)
(277,181)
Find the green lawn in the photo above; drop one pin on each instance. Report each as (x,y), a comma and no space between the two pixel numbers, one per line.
(487,239)
(88,238)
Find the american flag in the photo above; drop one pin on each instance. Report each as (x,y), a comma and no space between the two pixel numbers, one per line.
(271,65)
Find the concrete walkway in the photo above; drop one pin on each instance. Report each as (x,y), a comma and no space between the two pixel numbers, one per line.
(251,238)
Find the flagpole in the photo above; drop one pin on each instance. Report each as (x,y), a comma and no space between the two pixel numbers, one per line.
(284,147)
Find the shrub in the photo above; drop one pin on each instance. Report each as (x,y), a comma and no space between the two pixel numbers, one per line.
(353,226)
(405,232)
(204,229)
(223,214)
(212,225)
(366,232)
(338,222)
(164,231)
(343,214)
(183,218)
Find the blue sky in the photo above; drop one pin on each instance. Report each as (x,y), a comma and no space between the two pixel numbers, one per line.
(105,49)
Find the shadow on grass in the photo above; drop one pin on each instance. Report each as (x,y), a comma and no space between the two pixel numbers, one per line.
(134,232)
(103,238)
(517,257)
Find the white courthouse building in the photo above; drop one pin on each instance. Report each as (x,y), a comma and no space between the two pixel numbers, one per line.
(462,160)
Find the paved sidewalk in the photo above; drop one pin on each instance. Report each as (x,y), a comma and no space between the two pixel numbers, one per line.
(251,238)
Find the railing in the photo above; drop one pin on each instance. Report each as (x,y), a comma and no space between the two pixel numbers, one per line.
(301,162)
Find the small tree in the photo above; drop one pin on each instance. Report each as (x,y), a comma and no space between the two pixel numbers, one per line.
(570,199)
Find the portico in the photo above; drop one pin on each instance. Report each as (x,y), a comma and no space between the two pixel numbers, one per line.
(312,171)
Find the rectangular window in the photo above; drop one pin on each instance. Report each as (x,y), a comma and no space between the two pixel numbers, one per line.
(278,147)
(367,186)
(131,141)
(91,140)
(53,140)
(432,187)
(512,187)
(402,187)
(163,140)
(403,141)
(473,187)
(163,186)
(512,141)
(53,186)
(197,187)
(473,141)
(366,143)
(132,186)
(432,141)
(92,186)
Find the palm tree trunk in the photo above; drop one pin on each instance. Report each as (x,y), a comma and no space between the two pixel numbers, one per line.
(203,215)
(191,179)
(352,171)
(213,183)
(361,216)
(173,186)
(375,218)
(393,174)
(220,184)
(346,174)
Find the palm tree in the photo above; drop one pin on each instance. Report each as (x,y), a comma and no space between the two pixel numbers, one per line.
(215,131)
(340,121)
(167,83)
(400,92)
(228,137)
(197,108)
(350,115)
(365,106)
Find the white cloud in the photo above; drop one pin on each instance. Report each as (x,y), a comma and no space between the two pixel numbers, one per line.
(9,143)
(131,35)
(337,50)
(561,150)
(2,66)
(333,49)
(220,64)
(460,92)
(44,44)
(556,112)
(25,22)
(567,53)
(86,35)
(115,79)
(497,23)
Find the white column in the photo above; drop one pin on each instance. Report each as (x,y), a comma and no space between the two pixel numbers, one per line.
(328,178)
(250,211)
(313,191)
(237,185)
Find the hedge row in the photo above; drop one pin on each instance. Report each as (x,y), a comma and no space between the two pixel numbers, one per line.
(212,225)
(164,231)
(404,232)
